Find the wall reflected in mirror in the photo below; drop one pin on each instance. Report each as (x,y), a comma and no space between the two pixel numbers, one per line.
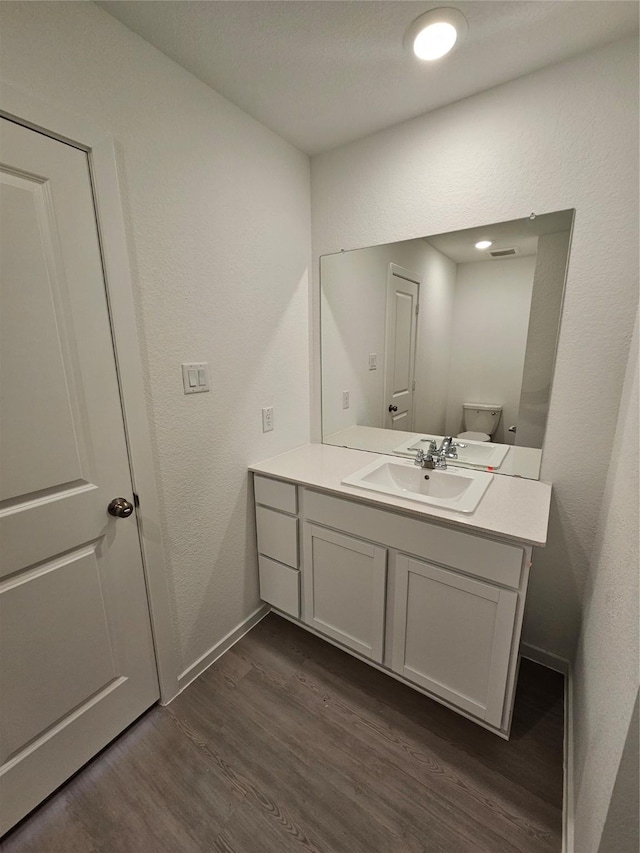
(433,336)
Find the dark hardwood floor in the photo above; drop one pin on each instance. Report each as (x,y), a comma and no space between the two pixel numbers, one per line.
(288,744)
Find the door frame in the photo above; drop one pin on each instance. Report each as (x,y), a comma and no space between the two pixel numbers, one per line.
(99,146)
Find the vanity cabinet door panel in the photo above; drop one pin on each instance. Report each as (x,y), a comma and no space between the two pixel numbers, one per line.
(344,589)
(453,636)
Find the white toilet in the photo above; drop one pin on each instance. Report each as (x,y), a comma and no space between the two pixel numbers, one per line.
(480,421)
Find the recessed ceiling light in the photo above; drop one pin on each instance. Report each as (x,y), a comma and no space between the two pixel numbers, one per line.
(435,33)
(484,244)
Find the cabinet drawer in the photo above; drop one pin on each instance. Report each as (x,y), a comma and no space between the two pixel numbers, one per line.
(279,585)
(499,562)
(277,536)
(276,494)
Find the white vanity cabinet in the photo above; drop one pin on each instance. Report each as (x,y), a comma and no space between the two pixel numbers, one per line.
(434,605)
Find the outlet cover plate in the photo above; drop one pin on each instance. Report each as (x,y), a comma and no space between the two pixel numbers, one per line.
(267,419)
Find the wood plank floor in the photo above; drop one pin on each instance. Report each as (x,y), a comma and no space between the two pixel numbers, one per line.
(288,744)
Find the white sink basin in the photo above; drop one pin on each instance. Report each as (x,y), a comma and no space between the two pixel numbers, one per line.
(455,489)
(481,453)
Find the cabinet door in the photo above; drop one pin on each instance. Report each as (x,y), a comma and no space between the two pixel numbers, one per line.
(453,636)
(344,589)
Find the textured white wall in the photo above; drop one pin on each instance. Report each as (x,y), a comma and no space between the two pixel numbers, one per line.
(488,339)
(542,334)
(566,136)
(218,218)
(607,666)
(433,354)
(354,302)
(621,833)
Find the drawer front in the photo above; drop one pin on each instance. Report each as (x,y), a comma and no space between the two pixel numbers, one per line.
(276,494)
(279,585)
(499,562)
(277,536)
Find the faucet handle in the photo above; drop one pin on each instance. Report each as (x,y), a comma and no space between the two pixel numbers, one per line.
(420,457)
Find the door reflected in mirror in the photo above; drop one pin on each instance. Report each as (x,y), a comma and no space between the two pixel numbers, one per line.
(435,336)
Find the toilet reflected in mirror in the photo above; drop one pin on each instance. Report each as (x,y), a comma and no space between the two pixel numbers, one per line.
(480,421)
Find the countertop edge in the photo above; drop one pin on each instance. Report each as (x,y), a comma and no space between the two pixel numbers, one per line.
(268,468)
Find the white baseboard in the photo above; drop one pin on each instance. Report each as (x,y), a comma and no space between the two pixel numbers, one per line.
(211,656)
(548,659)
(562,665)
(568,802)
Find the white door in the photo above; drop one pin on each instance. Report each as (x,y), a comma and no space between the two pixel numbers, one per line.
(344,589)
(453,636)
(76,655)
(400,348)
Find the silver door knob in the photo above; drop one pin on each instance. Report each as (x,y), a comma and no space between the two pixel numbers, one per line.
(120,507)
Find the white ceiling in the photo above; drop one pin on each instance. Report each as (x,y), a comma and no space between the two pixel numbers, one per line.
(324,72)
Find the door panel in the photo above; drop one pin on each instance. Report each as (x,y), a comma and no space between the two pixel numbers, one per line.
(36,413)
(400,348)
(77,662)
(54,627)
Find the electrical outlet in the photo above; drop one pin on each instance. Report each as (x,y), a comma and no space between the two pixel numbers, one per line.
(267,419)
(373,361)
(345,399)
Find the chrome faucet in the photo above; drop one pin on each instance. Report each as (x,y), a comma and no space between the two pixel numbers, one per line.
(436,457)
(431,458)
(449,447)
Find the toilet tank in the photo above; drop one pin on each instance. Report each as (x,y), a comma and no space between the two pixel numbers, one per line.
(481,417)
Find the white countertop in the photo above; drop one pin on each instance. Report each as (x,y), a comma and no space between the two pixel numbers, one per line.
(511,507)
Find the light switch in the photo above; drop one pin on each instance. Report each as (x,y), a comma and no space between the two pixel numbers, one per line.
(195,377)
(373,361)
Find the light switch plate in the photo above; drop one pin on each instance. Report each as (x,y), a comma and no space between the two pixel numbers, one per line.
(195,377)
(373,361)
(345,399)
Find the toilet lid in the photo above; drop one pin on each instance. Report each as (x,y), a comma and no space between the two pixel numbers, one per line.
(474,436)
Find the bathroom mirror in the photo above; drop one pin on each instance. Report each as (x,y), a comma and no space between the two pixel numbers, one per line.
(441,336)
